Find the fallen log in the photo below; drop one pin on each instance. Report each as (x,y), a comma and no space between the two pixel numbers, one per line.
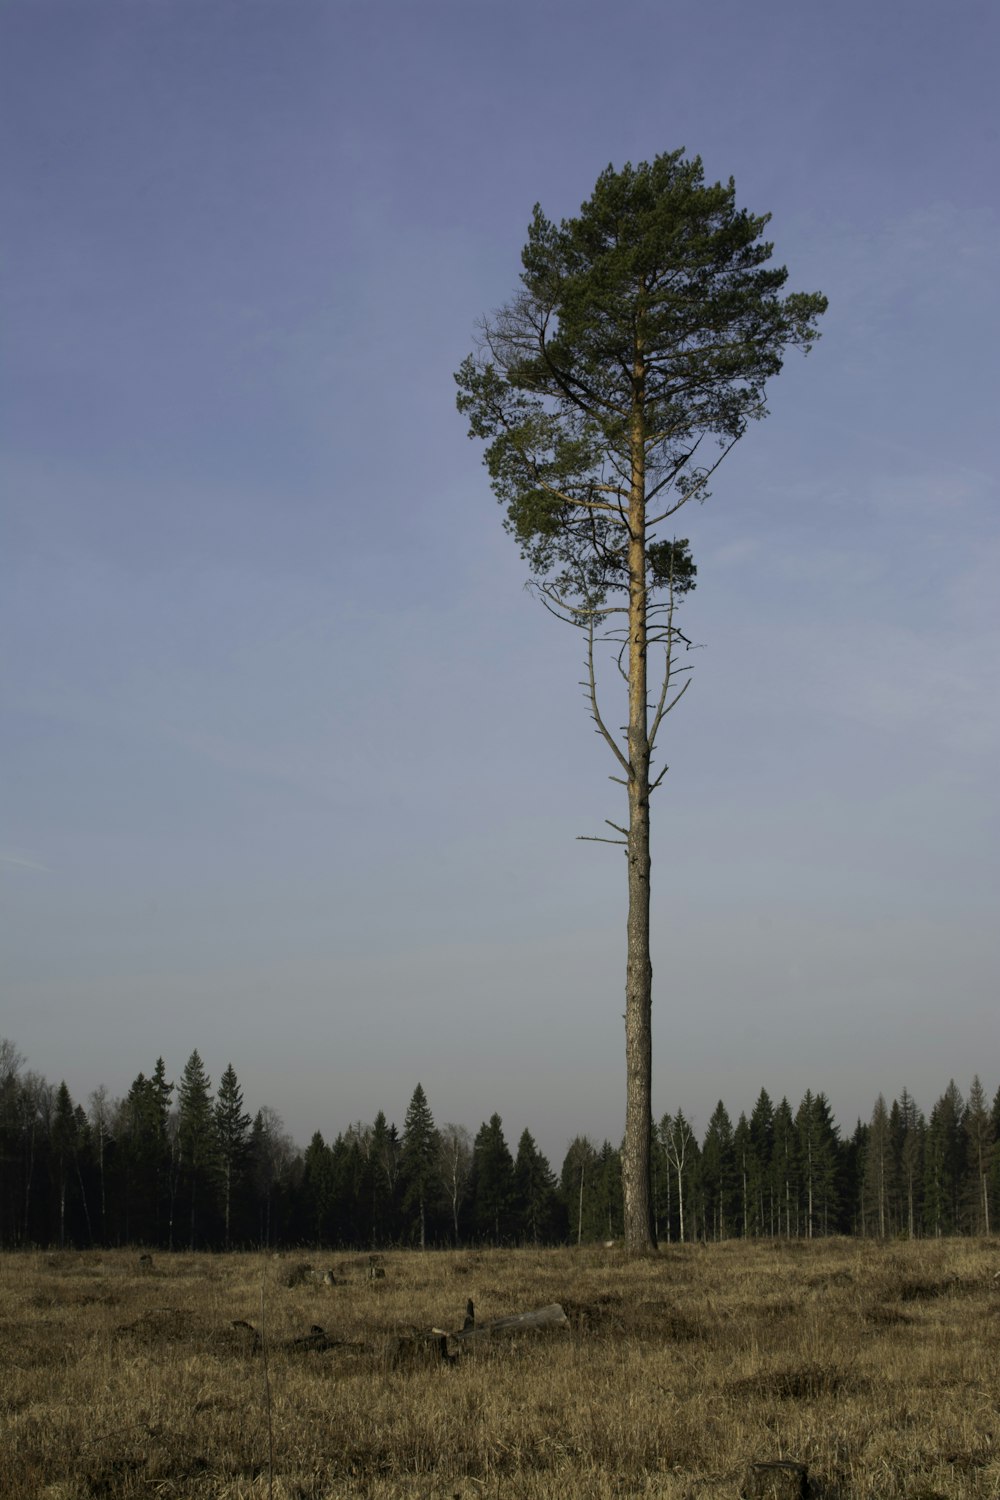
(536,1320)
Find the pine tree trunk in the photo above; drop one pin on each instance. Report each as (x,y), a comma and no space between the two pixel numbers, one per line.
(639,972)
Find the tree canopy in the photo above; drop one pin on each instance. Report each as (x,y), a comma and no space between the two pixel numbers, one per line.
(607,392)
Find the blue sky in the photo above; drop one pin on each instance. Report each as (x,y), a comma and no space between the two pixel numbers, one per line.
(292,768)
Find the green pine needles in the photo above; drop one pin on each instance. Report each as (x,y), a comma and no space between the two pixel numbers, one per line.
(645,326)
(607,392)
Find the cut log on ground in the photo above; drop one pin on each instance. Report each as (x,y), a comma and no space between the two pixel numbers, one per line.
(539,1319)
(430,1347)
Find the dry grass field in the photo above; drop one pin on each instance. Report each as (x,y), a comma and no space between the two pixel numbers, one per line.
(877,1366)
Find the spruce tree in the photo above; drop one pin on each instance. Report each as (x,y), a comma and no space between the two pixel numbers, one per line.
(196,1141)
(100,1129)
(718,1166)
(63,1147)
(317,1192)
(607,1196)
(385,1158)
(538,1220)
(784,1169)
(232,1143)
(492,1183)
(167,1154)
(944,1163)
(743,1157)
(271,1154)
(419,1162)
(908,1140)
(879,1184)
(644,335)
(142,1162)
(995,1153)
(761,1181)
(820,1159)
(980,1142)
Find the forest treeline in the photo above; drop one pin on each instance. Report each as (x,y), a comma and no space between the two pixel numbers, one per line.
(178,1166)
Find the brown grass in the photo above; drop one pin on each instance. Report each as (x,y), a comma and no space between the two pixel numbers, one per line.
(879,1367)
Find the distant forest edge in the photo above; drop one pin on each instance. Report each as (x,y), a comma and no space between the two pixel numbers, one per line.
(174,1166)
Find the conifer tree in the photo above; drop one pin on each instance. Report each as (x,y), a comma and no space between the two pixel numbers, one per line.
(385,1167)
(908,1143)
(100,1128)
(535,1196)
(492,1183)
(743,1157)
(232,1143)
(143,1162)
(819,1155)
(719,1173)
(11,1063)
(607,1196)
(980,1143)
(661,1174)
(644,334)
(761,1148)
(196,1141)
(855,1159)
(271,1153)
(784,1168)
(318,1191)
(944,1163)
(878,1172)
(995,1153)
(63,1149)
(419,1161)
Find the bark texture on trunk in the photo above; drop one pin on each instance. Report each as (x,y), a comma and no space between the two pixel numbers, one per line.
(639,1236)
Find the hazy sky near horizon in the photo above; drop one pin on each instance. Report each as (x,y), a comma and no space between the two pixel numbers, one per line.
(292,767)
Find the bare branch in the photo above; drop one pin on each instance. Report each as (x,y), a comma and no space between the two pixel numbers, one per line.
(595,711)
(592,838)
(705,476)
(654,784)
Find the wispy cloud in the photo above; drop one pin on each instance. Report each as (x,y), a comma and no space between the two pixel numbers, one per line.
(16,861)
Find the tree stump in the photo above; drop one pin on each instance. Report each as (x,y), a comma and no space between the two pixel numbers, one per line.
(778,1480)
